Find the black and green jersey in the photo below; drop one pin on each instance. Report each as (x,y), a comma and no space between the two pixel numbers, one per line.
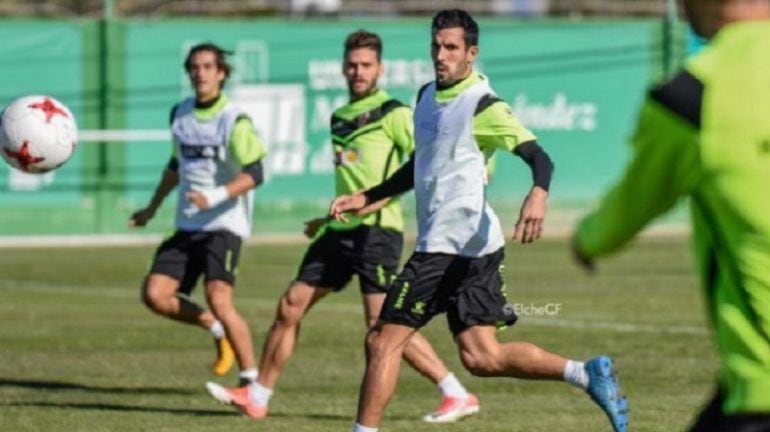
(706,134)
(371,138)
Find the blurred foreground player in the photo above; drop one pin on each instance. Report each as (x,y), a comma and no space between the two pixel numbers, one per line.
(706,134)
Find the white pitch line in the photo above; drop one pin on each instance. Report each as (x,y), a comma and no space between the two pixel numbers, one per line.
(576,324)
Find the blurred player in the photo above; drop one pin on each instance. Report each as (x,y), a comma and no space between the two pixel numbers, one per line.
(216,162)
(371,136)
(457,264)
(706,134)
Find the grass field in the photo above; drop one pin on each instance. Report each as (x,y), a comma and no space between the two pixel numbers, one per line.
(78,352)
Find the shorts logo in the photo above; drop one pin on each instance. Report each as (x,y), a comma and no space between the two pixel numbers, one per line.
(503,290)
(401,296)
(418,308)
(229,261)
(382,279)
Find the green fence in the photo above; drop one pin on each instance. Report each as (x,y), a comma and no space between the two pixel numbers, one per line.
(576,84)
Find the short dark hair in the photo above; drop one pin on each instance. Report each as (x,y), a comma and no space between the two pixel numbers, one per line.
(363,39)
(219,54)
(449,18)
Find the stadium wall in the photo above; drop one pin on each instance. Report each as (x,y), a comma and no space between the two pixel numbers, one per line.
(576,84)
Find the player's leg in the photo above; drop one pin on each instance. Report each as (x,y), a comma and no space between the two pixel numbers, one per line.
(176,267)
(410,303)
(221,252)
(418,353)
(479,304)
(384,349)
(376,259)
(171,271)
(282,336)
(219,295)
(316,271)
(159,294)
(456,401)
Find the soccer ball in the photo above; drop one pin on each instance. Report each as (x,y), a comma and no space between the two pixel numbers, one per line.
(37,134)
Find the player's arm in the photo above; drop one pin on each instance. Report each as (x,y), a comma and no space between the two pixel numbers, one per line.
(665,165)
(496,127)
(401,181)
(248,150)
(168,181)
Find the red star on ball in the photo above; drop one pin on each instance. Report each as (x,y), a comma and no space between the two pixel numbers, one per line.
(23,158)
(49,108)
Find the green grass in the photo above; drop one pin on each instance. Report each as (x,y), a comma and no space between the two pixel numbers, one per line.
(78,352)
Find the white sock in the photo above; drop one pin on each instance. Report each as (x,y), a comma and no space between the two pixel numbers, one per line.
(359,428)
(217,330)
(260,395)
(249,375)
(450,386)
(575,374)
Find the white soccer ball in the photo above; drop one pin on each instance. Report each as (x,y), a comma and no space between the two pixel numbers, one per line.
(37,134)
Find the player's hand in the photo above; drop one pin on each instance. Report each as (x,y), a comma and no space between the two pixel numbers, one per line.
(584,261)
(207,198)
(313,225)
(529,227)
(198,199)
(141,217)
(346,203)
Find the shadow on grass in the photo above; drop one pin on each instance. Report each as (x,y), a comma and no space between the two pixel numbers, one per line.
(59,385)
(182,411)
(120,408)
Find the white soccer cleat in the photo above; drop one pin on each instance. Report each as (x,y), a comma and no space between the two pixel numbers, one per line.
(219,393)
(239,397)
(453,409)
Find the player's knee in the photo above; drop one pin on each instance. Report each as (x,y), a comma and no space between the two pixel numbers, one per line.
(150,298)
(221,307)
(376,345)
(290,312)
(481,364)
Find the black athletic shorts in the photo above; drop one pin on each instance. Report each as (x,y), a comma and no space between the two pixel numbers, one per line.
(713,419)
(372,253)
(470,290)
(187,254)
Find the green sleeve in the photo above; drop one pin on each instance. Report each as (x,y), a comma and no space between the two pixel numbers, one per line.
(498,128)
(245,145)
(174,150)
(399,126)
(665,166)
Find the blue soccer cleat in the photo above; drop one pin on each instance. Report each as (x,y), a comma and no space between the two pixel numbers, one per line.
(604,389)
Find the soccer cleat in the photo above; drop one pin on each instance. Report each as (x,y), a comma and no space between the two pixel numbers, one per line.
(453,409)
(239,397)
(604,389)
(225,357)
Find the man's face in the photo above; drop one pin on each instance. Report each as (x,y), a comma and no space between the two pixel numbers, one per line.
(205,76)
(361,70)
(452,59)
